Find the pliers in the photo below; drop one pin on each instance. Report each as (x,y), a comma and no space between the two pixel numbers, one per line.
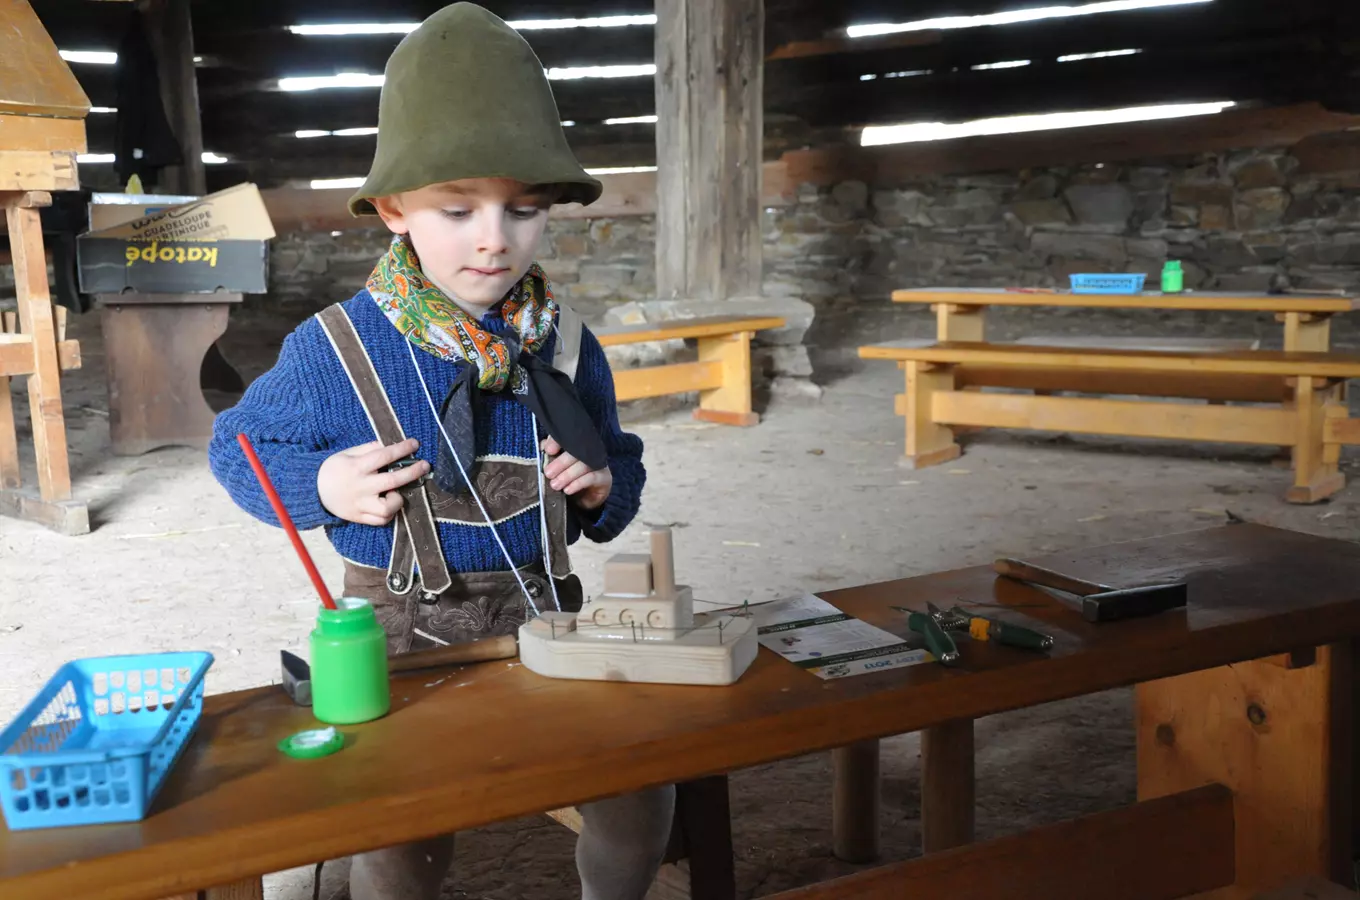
(935,625)
(932,626)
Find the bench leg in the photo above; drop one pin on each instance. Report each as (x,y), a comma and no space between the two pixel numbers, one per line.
(706,868)
(1316,471)
(44,385)
(947,789)
(1278,732)
(9,435)
(928,444)
(855,792)
(731,403)
(699,862)
(246,889)
(961,323)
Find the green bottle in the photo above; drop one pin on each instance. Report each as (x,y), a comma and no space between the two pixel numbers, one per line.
(349,665)
(1173,279)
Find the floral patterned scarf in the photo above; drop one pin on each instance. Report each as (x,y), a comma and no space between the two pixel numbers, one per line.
(434,323)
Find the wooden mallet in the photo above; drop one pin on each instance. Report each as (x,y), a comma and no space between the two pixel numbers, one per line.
(297,673)
(1099,602)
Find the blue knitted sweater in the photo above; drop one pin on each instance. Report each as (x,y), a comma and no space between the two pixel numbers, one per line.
(304,409)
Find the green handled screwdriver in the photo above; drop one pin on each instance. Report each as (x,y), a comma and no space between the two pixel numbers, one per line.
(984,629)
(940,644)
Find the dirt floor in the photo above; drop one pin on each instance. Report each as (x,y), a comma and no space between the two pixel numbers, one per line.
(812,499)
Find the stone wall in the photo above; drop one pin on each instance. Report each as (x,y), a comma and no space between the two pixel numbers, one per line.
(593,264)
(1243,221)
(1237,221)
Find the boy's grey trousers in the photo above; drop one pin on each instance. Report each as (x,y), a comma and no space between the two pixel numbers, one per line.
(618,853)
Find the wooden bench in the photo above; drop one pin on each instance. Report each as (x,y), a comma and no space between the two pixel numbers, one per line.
(721,375)
(154,340)
(1214,387)
(1312,421)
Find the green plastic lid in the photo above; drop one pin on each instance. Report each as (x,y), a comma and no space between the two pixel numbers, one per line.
(313,743)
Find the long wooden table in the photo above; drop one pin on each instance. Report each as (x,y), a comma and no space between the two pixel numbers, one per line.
(1306,317)
(960,312)
(1218,704)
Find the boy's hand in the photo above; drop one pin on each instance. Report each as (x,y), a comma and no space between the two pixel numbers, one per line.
(589,487)
(353,486)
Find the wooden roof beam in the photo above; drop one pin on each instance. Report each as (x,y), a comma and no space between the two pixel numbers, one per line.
(1194,30)
(272,53)
(1299,126)
(217,15)
(1107,83)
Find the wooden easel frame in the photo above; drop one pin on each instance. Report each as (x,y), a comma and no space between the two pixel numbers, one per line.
(42,108)
(34,346)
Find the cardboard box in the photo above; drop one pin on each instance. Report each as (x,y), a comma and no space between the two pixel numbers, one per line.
(193,245)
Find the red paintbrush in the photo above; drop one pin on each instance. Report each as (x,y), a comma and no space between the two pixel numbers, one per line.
(286,521)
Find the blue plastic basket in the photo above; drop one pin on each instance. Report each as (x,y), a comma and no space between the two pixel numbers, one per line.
(94,746)
(1131,283)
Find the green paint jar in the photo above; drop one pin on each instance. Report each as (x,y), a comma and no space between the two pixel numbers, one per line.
(1173,278)
(349,664)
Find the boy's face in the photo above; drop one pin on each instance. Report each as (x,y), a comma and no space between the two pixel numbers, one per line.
(475,237)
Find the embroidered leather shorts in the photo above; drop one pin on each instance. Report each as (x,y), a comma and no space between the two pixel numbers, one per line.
(476,605)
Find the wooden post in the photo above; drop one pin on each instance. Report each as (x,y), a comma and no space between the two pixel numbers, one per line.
(171,33)
(854,802)
(947,789)
(709,58)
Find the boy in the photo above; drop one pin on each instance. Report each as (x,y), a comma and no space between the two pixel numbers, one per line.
(461,364)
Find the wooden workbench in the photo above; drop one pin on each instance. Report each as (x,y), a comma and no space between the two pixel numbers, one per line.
(457,753)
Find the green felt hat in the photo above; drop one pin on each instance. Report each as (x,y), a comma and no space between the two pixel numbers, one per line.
(464,96)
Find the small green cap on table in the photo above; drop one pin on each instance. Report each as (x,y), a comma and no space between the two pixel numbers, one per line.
(313,743)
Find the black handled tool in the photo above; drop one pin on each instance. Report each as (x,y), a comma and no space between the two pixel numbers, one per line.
(1099,602)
